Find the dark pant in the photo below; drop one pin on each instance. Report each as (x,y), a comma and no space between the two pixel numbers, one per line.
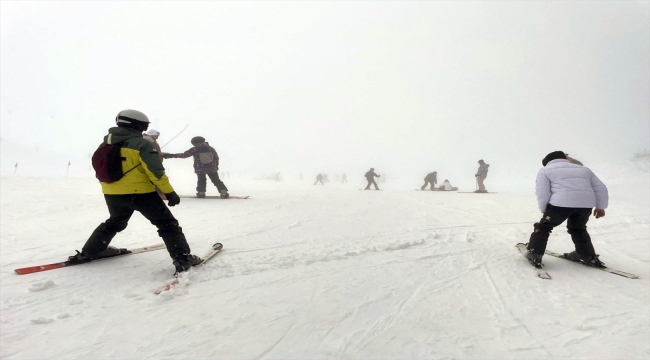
(426,183)
(319,181)
(151,206)
(479,180)
(576,226)
(214,177)
(371,182)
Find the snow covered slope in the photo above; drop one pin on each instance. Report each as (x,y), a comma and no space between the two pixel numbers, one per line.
(323,272)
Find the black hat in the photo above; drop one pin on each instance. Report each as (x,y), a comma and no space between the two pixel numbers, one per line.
(197,140)
(481,161)
(553,156)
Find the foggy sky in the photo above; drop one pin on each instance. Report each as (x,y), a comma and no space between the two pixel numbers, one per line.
(405,87)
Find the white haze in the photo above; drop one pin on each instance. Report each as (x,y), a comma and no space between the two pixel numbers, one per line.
(308,87)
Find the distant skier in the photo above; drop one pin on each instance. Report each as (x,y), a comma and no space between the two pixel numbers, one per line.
(370,176)
(326,178)
(344,179)
(319,179)
(142,170)
(481,174)
(431,178)
(206,162)
(152,136)
(567,191)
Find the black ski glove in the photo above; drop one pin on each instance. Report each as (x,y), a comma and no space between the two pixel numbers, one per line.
(173,199)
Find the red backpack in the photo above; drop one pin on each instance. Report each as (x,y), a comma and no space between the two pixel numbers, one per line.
(107,162)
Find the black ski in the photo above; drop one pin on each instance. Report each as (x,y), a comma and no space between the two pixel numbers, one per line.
(603,268)
(474,192)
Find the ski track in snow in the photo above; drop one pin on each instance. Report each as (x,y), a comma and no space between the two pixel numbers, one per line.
(321,272)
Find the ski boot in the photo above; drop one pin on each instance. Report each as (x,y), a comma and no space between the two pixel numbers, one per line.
(534,259)
(78,258)
(224,194)
(81,257)
(200,194)
(185,262)
(587,259)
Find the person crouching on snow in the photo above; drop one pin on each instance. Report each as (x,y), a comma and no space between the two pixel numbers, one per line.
(206,162)
(567,191)
(431,178)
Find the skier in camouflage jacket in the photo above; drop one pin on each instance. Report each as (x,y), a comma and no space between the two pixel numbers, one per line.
(481,174)
(206,162)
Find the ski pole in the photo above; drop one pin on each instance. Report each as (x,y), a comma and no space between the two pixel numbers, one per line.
(175,136)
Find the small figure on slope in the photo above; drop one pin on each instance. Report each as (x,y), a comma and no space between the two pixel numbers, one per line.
(344,179)
(567,192)
(206,162)
(141,169)
(370,176)
(319,179)
(446,186)
(481,174)
(431,178)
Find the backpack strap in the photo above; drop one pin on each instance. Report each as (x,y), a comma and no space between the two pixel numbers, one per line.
(121,143)
(133,168)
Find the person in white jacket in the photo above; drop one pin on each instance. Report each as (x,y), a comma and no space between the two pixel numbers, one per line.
(567,192)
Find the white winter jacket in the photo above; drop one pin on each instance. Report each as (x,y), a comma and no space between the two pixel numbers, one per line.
(561,183)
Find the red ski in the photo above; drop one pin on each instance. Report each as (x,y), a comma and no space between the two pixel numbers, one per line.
(39,268)
(215,249)
(213,197)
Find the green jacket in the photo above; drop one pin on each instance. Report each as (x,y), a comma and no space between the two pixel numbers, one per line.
(140,163)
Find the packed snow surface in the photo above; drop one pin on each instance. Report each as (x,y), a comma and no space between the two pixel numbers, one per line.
(323,272)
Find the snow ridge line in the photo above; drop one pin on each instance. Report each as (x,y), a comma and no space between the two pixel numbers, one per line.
(295,258)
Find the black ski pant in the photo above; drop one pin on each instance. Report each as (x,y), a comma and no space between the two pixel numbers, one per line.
(214,177)
(426,182)
(151,206)
(371,182)
(576,226)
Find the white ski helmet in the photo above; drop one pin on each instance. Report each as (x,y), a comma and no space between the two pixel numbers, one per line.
(128,116)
